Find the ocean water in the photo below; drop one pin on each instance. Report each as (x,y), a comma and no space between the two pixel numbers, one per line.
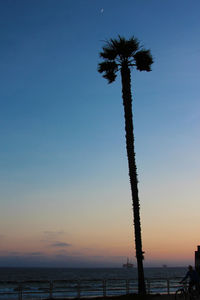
(35,283)
(21,274)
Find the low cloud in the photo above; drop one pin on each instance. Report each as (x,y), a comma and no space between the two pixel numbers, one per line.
(60,244)
(52,235)
(36,253)
(13,253)
(16,253)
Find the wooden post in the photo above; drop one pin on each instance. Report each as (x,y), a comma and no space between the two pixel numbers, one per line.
(78,289)
(104,288)
(127,287)
(148,286)
(168,288)
(50,289)
(20,291)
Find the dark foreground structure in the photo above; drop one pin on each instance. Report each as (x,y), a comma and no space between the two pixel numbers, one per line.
(131,297)
(85,289)
(197,259)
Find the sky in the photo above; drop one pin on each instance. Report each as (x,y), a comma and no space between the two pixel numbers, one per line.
(64,188)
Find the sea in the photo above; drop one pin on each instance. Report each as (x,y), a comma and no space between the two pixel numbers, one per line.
(42,283)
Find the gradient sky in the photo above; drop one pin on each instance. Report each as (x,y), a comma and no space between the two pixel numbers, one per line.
(64,189)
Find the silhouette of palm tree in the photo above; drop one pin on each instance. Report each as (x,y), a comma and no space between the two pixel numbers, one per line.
(123,55)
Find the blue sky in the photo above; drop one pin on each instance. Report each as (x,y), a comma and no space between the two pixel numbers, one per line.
(62,151)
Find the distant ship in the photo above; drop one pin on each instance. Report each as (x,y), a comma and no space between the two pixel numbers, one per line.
(164,266)
(128,265)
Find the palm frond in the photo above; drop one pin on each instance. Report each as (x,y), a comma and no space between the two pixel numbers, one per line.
(120,51)
(133,44)
(143,60)
(109,68)
(124,48)
(110,76)
(108,53)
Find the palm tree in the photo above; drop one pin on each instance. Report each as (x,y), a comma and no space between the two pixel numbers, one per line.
(123,55)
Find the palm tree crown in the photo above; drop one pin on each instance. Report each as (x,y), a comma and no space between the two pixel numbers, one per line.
(119,52)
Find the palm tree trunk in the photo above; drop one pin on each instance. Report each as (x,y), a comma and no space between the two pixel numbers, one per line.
(127,102)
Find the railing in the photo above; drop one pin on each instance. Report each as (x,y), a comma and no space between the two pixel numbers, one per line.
(82,288)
